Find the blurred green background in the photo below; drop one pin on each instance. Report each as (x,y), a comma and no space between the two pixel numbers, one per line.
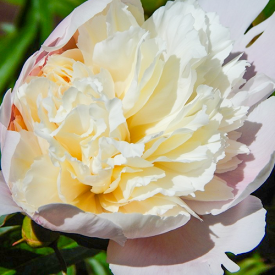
(24,25)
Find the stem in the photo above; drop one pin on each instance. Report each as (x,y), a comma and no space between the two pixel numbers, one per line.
(18,242)
(59,257)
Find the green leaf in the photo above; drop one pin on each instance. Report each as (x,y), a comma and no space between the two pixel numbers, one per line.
(8,28)
(3,219)
(7,229)
(267,12)
(13,49)
(10,223)
(49,264)
(150,6)
(98,265)
(5,271)
(26,260)
(74,2)
(45,16)
(251,266)
(70,271)
(11,220)
(13,55)
(89,242)
(102,258)
(269,9)
(65,7)
(15,2)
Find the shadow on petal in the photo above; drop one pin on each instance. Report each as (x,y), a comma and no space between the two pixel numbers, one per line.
(70,219)
(194,247)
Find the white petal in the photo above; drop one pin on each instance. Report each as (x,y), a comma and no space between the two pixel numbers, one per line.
(232,13)
(7,206)
(70,219)
(196,248)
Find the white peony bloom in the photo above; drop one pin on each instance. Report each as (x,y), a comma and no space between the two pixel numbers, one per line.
(135,130)
(131,127)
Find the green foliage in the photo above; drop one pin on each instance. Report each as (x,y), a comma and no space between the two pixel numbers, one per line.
(97,265)
(150,6)
(267,12)
(251,266)
(7,28)
(13,49)
(64,7)
(24,259)
(89,242)
(15,2)
(269,9)
(11,220)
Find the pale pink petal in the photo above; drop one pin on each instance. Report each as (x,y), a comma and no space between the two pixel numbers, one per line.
(7,205)
(67,28)
(11,139)
(256,30)
(237,15)
(261,53)
(258,134)
(5,109)
(70,219)
(136,225)
(5,115)
(196,248)
(27,68)
(256,89)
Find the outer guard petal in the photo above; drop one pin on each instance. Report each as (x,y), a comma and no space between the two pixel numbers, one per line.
(70,219)
(257,166)
(256,89)
(137,225)
(10,141)
(7,205)
(196,248)
(258,134)
(5,109)
(67,28)
(261,53)
(232,13)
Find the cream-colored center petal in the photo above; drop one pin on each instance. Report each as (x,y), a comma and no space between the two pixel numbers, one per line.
(135,119)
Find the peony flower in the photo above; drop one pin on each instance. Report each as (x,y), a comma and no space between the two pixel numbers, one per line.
(152,134)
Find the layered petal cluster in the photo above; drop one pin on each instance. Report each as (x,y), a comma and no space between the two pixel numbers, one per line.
(124,128)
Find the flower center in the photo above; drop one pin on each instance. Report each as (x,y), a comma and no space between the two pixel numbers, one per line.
(141,129)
